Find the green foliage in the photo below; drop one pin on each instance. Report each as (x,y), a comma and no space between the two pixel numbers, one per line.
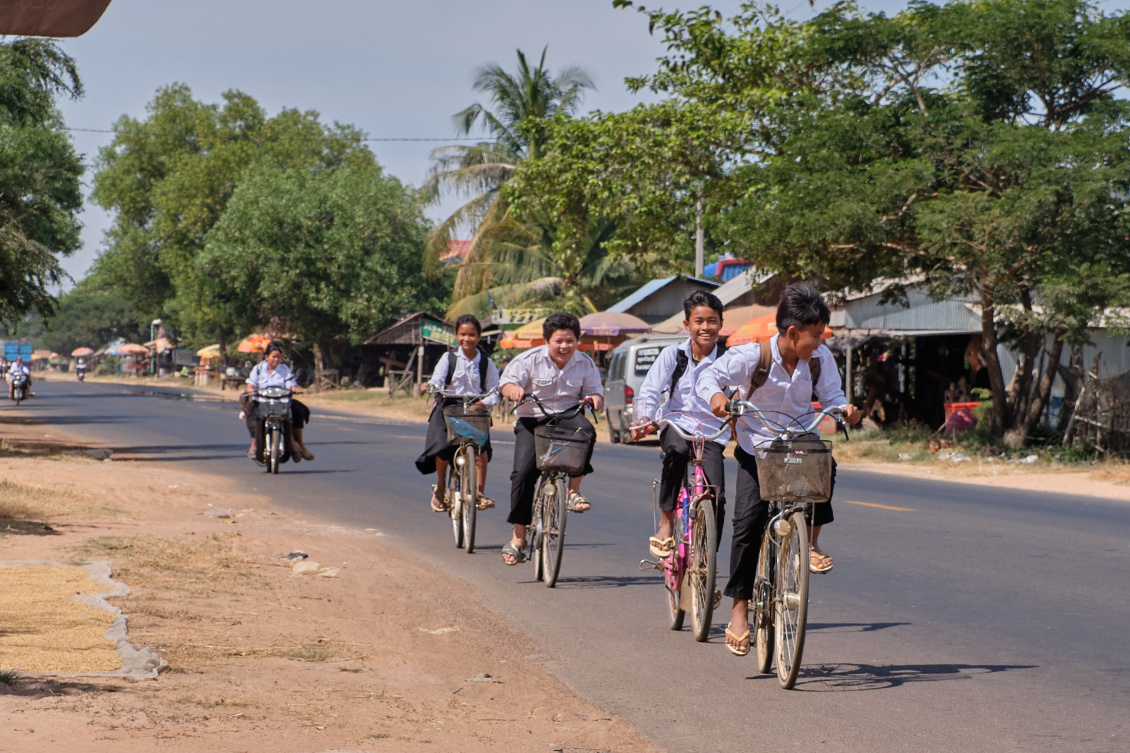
(334,251)
(89,316)
(39,175)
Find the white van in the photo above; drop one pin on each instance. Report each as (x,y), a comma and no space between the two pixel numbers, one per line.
(627,367)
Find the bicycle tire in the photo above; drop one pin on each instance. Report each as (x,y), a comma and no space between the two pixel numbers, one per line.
(761,607)
(470,498)
(703,564)
(791,605)
(544,488)
(455,499)
(553,535)
(673,576)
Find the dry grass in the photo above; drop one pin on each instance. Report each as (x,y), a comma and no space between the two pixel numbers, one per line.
(214,563)
(26,502)
(1115,471)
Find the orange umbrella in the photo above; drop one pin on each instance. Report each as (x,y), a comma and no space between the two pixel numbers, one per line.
(760,330)
(526,336)
(254,344)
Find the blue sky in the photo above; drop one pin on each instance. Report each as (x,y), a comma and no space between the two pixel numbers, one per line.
(393,69)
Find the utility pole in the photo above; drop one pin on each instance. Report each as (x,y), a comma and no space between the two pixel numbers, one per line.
(699,247)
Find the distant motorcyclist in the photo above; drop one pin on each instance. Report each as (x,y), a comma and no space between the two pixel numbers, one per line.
(272,372)
(80,368)
(18,367)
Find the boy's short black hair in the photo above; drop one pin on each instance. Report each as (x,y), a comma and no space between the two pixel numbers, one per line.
(560,320)
(802,306)
(698,298)
(469,319)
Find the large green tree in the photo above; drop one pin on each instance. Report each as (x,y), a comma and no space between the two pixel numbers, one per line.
(88,316)
(39,175)
(476,173)
(335,252)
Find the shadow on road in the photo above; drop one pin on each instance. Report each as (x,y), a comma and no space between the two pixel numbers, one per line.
(853,627)
(840,677)
(607,581)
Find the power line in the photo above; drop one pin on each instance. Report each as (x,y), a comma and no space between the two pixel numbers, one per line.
(374,138)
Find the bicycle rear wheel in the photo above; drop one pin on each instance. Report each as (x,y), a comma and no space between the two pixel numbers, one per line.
(553,534)
(470,498)
(674,570)
(761,607)
(792,602)
(703,564)
(455,500)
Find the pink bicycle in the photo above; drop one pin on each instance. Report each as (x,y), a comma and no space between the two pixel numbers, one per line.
(690,571)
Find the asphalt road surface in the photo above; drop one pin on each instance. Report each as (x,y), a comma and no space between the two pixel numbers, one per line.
(958,618)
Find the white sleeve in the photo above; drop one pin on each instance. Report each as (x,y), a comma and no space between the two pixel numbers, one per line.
(440,373)
(658,377)
(492,382)
(829,390)
(733,369)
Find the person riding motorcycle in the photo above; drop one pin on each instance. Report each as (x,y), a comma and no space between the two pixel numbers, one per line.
(18,367)
(272,372)
(80,368)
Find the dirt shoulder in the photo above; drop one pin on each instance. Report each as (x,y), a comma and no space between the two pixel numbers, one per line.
(379,652)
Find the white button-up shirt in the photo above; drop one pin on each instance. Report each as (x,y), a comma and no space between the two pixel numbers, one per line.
(261,376)
(684,406)
(558,389)
(465,379)
(781,393)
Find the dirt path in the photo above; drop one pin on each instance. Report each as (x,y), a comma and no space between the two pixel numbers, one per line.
(389,654)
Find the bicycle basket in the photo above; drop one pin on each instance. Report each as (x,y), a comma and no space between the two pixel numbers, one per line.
(472,425)
(561,449)
(273,408)
(797,471)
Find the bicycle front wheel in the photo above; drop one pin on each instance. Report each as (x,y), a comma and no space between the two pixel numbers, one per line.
(553,535)
(703,564)
(543,499)
(792,602)
(469,493)
(761,607)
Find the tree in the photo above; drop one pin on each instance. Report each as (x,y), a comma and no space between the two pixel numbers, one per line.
(39,175)
(335,252)
(478,172)
(88,316)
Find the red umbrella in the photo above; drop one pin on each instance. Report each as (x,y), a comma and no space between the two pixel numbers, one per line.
(79,352)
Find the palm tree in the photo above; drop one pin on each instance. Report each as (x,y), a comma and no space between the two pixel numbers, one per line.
(478,172)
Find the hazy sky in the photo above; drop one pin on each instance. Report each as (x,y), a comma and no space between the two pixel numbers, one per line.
(392,69)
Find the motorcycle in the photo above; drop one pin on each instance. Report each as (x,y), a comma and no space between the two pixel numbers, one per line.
(19,388)
(272,427)
(80,372)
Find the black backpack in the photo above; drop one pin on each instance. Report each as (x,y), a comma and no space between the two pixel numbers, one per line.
(681,361)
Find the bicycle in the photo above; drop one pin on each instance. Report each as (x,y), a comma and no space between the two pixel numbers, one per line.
(273,428)
(559,453)
(467,431)
(696,537)
(795,472)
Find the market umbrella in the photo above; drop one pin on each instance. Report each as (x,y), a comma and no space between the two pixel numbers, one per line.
(526,336)
(130,349)
(79,352)
(161,344)
(41,355)
(761,329)
(212,351)
(613,324)
(254,344)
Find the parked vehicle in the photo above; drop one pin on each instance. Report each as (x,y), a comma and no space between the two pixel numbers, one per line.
(627,368)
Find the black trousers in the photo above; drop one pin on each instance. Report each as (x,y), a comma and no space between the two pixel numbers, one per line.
(750,515)
(676,456)
(524,478)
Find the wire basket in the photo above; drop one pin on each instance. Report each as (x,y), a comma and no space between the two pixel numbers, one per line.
(799,471)
(464,424)
(561,449)
(272,408)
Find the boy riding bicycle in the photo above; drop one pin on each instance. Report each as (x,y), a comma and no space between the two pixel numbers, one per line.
(675,373)
(561,378)
(781,383)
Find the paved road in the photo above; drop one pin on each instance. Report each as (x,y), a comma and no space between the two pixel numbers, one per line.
(958,618)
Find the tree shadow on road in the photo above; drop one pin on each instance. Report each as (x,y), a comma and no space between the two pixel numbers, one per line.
(841,677)
(853,627)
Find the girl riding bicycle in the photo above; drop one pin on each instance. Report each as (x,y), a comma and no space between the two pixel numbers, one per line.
(786,388)
(675,372)
(464,371)
(561,378)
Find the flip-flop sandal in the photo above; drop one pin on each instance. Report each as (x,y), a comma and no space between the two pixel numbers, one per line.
(574,503)
(738,638)
(661,548)
(438,505)
(484,503)
(819,562)
(509,550)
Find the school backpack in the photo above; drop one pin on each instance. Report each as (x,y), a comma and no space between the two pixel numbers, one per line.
(681,361)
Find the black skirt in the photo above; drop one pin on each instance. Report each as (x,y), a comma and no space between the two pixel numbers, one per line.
(436,445)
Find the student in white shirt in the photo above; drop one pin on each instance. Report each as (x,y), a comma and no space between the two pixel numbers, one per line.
(464,371)
(272,372)
(682,365)
(561,378)
(802,317)
(18,367)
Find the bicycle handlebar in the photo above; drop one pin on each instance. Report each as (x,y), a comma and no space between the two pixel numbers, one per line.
(467,399)
(687,435)
(739,407)
(567,413)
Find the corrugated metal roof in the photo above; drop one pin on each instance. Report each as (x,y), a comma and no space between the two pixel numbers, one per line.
(740,285)
(924,315)
(650,287)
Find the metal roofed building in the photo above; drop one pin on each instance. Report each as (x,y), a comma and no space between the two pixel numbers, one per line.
(656,299)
